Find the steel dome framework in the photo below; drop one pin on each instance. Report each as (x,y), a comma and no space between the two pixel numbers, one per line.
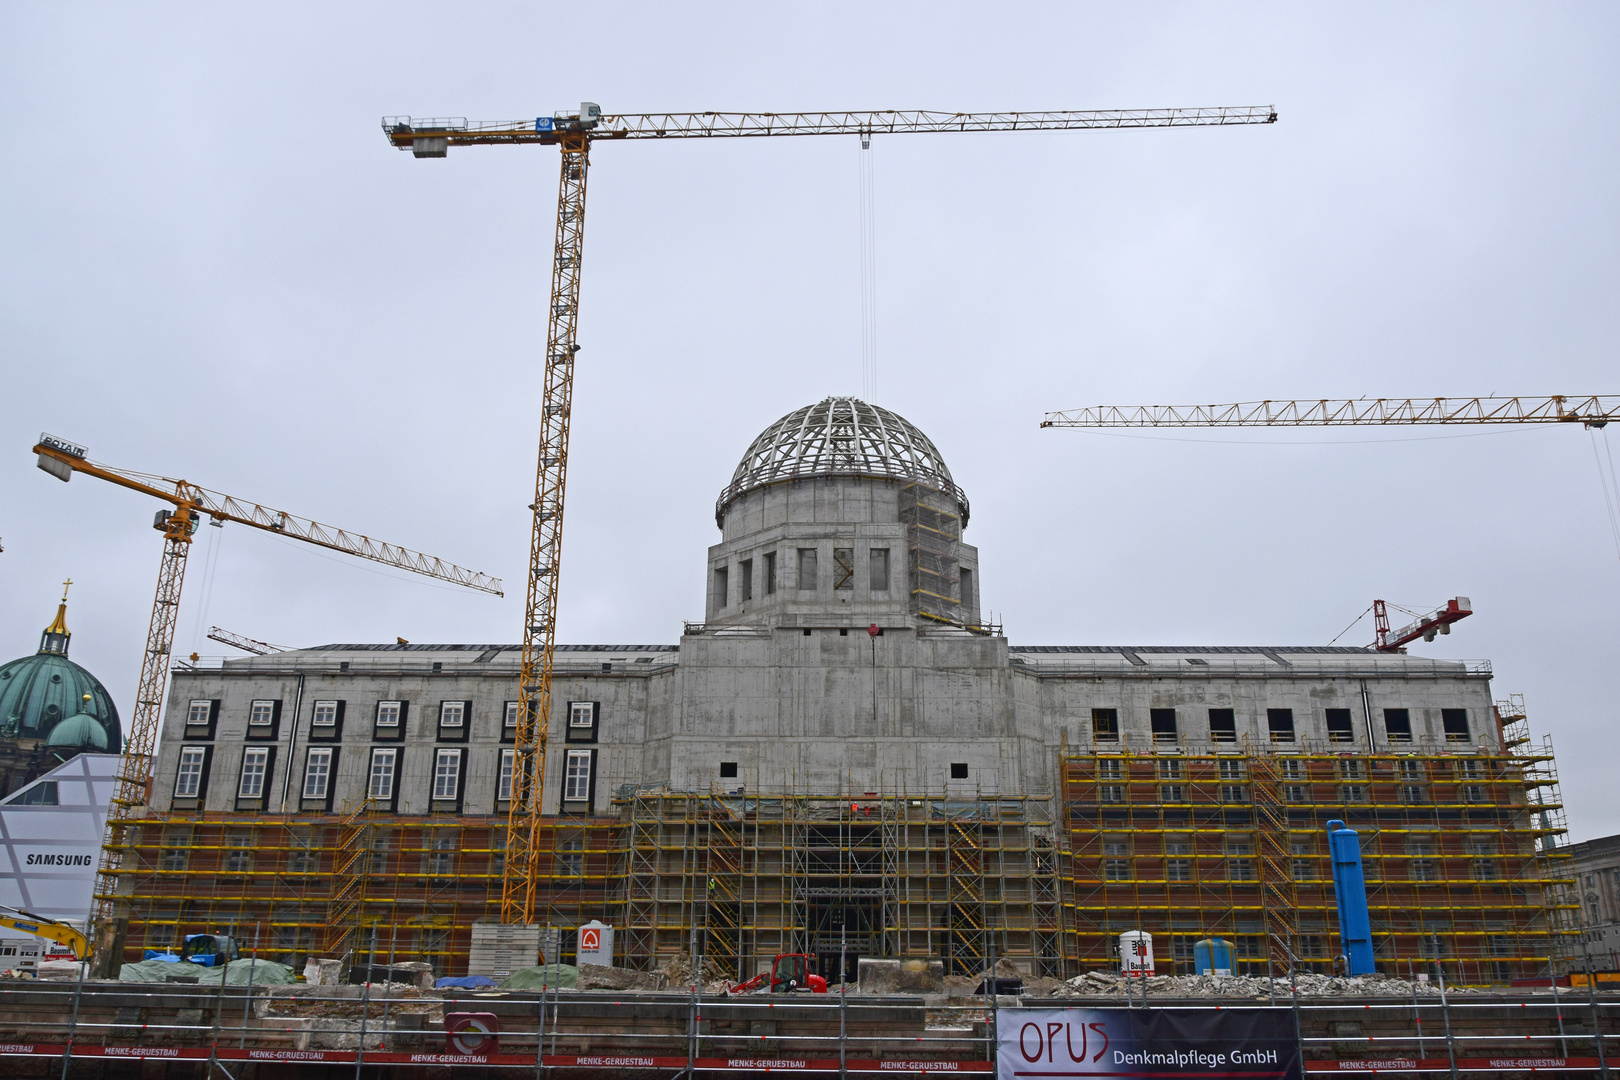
(840,436)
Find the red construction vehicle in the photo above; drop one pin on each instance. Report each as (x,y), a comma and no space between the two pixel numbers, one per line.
(790,973)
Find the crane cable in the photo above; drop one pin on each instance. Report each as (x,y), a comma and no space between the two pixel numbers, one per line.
(1352,625)
(868,271)
(1609,484)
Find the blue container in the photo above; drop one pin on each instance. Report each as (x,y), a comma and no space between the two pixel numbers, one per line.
(1213,956)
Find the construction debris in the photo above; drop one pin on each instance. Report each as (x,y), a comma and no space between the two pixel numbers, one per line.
(1100,983)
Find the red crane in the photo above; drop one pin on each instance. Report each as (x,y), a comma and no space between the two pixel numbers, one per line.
(1426,627)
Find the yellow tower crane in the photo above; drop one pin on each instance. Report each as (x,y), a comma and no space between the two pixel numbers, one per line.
(573,133)
(62,459)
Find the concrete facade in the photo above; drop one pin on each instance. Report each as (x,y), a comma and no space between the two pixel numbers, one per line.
(1595,865)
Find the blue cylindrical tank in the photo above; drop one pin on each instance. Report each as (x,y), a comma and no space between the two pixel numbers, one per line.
(1213,956)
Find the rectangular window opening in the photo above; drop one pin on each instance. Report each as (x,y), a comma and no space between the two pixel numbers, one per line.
(581,714)
(452,714)
(966,576)
(188,780)
(877,564)
(381,783)
(1280,724)
(1455,723)
(1339,727)
(1398,725)
(720,597)
(447,774)
(388,714)
(325,714)
(728,770)
(1105,725)
(503,787)
(959,770)
(745,580)
(262,714)
(807,569)
(255,762)
(843,568)
(577,776)
(1163,724)
(1222,725)
(770,572)
(317,772)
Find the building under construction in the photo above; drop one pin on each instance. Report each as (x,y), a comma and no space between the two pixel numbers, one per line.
(845,750)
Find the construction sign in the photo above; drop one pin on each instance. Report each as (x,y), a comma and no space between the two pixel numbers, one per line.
(1254,1044)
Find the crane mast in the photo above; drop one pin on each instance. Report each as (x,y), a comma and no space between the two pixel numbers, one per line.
(62,460)
(573,134)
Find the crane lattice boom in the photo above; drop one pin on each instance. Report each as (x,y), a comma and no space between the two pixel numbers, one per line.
(404,131)
(1591,411)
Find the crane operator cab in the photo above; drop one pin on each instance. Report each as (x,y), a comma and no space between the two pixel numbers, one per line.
(793,974)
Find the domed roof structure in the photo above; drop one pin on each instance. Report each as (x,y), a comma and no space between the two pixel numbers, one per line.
(840,436)
(80,731)
(39,692)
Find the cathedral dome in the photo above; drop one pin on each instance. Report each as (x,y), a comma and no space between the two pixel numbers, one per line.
(840,436)
(79,732)
(39,692)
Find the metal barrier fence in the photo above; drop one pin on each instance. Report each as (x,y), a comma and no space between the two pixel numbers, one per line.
(572,1033)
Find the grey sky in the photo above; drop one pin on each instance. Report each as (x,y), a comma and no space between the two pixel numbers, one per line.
(214,267)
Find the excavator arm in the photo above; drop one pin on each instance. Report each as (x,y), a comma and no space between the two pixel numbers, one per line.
(49,929)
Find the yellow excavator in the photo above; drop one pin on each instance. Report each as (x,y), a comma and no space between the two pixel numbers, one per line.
(49,929)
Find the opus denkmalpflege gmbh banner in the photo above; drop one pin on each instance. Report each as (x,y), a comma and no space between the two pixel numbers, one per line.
(1254,1044)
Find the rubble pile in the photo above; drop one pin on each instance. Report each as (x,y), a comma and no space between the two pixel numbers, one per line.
(1101,983)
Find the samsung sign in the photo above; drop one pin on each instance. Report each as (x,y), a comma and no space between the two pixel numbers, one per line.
(57,859)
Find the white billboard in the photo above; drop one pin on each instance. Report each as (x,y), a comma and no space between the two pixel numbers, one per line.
(50,839)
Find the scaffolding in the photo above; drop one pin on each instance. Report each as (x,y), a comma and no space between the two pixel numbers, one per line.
(1460,847)
(1463,851)
(892,874)
(933,538)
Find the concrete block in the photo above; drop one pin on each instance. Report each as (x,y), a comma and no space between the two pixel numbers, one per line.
(323,972)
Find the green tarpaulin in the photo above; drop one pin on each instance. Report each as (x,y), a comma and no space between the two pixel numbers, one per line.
(554,976)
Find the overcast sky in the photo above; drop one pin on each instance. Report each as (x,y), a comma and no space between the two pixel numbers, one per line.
(214,267)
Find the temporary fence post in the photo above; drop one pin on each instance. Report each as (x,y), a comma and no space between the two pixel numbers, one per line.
(1445,1012)
(388,987)
(691,1011)
(994,988)
(540,1032)
(843,994)
(247,1002)
(1417,1016)
(365,1002)
(73,1017)
(219,1006)
(1293,990)
(1558,1010)
(1591,996)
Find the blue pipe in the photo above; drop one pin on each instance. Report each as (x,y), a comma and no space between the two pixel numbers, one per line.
(1350,892)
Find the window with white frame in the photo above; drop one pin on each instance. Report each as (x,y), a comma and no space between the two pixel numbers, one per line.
(317,772)
(381,783)
(577,776)
(255,763)
(503,787)
(388,713)
(452,714)
(581,714)
(198,712)
(446,774)
(262,714)
(510,723)
(188,780)
(325,714)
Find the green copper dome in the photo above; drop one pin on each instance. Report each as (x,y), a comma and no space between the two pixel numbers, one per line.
(39,692)
(79,732)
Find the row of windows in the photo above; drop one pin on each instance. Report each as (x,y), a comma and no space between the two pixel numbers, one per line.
(1165,725)
(382,773)
(808,577)
(1412,794)
(388,719)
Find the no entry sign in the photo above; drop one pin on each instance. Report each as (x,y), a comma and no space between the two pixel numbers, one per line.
(1251,1044)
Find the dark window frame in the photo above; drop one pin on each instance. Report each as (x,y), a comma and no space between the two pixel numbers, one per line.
(1223,725)
(200,732)
(1454,723)
(460,734)
(324,733)
(261,801)
(380,733)
(770,572)
(192,802)
(581,735)
(270,732)
(577,807)
(745,580)
(436,803)
(1398,725)
(322,804)
(1341,725)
